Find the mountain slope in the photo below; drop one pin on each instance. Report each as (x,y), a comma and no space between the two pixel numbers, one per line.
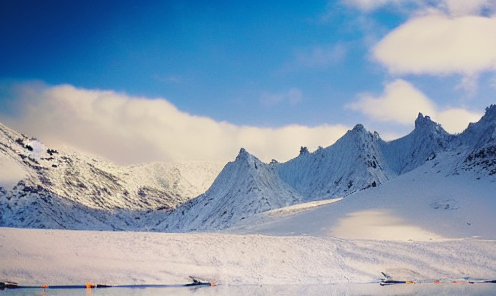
(245,187)
(412,150)
(353,163)
(72,190)
(69,186)
(357,161)
(479,141)
(426,203)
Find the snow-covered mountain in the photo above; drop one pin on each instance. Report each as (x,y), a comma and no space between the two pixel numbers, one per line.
(357,161)
(42,187)
(478,142)
(406,153)
(245,187)
(72,190)
(354,162)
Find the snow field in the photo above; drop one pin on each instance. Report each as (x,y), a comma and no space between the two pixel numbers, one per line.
(423,204)
(34,256)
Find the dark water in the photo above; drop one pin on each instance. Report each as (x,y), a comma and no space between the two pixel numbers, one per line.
(284,290)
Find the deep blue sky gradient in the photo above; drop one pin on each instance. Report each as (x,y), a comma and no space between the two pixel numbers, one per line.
(210,58)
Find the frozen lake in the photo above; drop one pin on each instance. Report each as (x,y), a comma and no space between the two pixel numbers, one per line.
(287,290)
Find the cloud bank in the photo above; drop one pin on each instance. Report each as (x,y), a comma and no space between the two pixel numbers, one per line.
(401,102)
(439,45)
(128,129)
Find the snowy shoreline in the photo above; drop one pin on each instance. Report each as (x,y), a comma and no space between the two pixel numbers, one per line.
(35,256)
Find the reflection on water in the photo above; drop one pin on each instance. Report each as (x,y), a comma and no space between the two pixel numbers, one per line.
(285,290)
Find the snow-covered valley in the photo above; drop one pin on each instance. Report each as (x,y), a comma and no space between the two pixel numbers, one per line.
(420,207)
(423,204)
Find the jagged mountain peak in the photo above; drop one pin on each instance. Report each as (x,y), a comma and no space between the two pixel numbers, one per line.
(243,154)
(480,138)
(481,133)
(489,118)
(359,128)
(421,119)
(244,158)
(491,111)
(425,123)
(358,137)
(352,163)
(357,132)
(406,153)
(244,187)
(303,151)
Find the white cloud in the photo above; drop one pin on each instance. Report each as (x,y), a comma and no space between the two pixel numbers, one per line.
(456,120)
(439,45)
(129,129)
(401,102)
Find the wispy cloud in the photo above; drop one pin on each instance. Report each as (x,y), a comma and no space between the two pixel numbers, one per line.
(453,8)
(370,5)
(130,129)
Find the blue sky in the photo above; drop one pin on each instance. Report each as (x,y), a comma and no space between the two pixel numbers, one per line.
(252,69)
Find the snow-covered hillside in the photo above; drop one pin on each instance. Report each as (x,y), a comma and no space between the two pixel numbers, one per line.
(353,163)
(72,190)
(359,160)
(245,187)
(427,139)
(45,188)
(429,216)
(427,203)
(479,141)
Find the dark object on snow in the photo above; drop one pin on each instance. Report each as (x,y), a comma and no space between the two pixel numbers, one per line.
(199,282)
(196,282)
(388,280)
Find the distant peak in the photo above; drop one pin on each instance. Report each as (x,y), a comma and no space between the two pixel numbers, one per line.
(359,128)
(423,121)
(491,112)
(242,153)
(303,150)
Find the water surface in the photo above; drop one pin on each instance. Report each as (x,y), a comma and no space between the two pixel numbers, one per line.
(284,290)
